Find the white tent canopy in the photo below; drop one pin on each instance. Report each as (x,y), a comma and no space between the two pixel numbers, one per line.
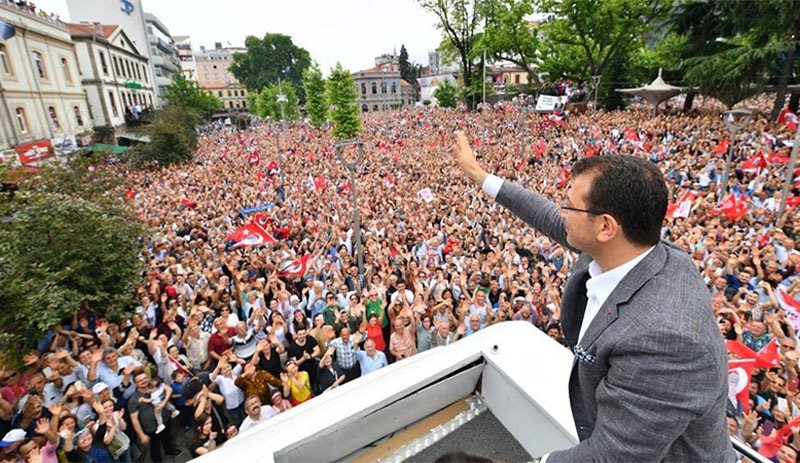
(655,92)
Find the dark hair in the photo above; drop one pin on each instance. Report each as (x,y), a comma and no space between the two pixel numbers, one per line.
(200,422)
(630,189)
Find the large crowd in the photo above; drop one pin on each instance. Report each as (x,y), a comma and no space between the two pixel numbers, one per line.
(226,336)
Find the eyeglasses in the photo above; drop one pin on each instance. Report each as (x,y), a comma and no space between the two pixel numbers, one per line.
(588,211)
(9,376)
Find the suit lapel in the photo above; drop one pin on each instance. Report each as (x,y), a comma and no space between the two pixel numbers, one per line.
(573,304)
(635,279)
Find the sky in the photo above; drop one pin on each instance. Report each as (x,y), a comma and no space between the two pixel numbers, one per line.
(353,32)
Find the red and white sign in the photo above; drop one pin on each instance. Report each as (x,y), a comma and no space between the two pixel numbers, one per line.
(34,151)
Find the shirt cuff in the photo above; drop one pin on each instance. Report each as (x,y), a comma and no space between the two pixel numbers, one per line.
(491,186)
(543,458)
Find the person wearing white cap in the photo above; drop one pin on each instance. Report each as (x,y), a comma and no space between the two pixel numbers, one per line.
(12,439)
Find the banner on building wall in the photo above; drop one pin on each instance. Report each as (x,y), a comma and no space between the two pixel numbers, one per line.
(35,151)
(6,30)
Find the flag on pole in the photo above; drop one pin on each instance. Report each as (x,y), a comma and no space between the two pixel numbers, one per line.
(344,189)
(262,220)
(389,180)
(188,203)
(557,119)
(563,177)
(768,139)
(631,135)
(767,357)
(518,164)
(776,158)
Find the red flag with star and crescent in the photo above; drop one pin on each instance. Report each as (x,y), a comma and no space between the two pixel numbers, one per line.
(295,267)
(248,235)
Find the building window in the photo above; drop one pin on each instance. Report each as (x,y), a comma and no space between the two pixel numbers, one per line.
(364,106)
(219,93)
(103,64)
(78,117)
(516,78)
(113,101)
(129,74)
(39,62)
(383,86)
(229,93)
(65,68)
(116,65)
(394,87)
(374,107)
(6,66)
(53,116)
(385,107)
(363,88)
(375,90)
(22,121)
(144,74)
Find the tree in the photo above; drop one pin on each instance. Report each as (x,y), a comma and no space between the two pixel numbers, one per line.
(408,71)
(172,137)
(342,96)
(269,59)
(508,35)
(252,102)
(269,106)
(188,94)
(64,248)
(599,29)
(459,21)
(445,94)
(316,104)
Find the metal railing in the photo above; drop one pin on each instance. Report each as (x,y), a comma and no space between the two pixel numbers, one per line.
(746,453)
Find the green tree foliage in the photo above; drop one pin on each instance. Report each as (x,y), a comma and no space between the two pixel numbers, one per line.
(508,36)
(598,30)
(316,104)
(65,247)
(459,21)
(342,96)
(734,47)
(173,139)
(252,102)
(445,94)
(185,93)
(269,59)
(269,106)
(408,72)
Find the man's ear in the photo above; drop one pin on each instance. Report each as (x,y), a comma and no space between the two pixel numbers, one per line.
(609,228)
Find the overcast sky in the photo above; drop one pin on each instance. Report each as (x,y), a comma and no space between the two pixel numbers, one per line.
(351,31)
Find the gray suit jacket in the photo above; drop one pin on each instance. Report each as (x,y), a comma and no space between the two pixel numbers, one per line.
(649,382)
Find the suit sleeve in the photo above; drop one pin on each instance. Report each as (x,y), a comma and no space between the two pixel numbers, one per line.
(535,210)
(658,382)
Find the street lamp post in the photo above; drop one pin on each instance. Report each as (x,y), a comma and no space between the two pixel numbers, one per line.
(789,173)
(596,83)
(483,87)
(281,100)
(523,131)
(352,165)
(734,120)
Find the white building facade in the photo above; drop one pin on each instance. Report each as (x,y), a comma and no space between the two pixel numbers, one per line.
(114,74)
(43,109)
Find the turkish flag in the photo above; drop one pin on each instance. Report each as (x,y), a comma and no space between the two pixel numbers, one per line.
(722,147)
(563,177)
(188,203)
(631,135)
(755,164)
(262,219)
(732,207)
(789,118)
(344,189)
(739,374)
(253,159)
(295,267)
(518,164)
(129,193)
(389,180)
(776,158)
(248,235)
(767,357)
(793,201)
(280,233)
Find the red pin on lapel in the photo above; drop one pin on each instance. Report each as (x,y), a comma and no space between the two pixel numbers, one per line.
(608,312)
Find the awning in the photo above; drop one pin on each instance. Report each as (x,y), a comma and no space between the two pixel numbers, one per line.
(135,137)
(655,92)
(133,84)
(114,149)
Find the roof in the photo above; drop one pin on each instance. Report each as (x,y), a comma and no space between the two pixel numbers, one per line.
(100,30)
(222,85)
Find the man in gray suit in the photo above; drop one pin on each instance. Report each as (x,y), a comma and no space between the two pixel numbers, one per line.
(649,380)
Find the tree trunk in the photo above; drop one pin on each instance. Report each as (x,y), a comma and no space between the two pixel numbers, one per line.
(783,80)
(688,102)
